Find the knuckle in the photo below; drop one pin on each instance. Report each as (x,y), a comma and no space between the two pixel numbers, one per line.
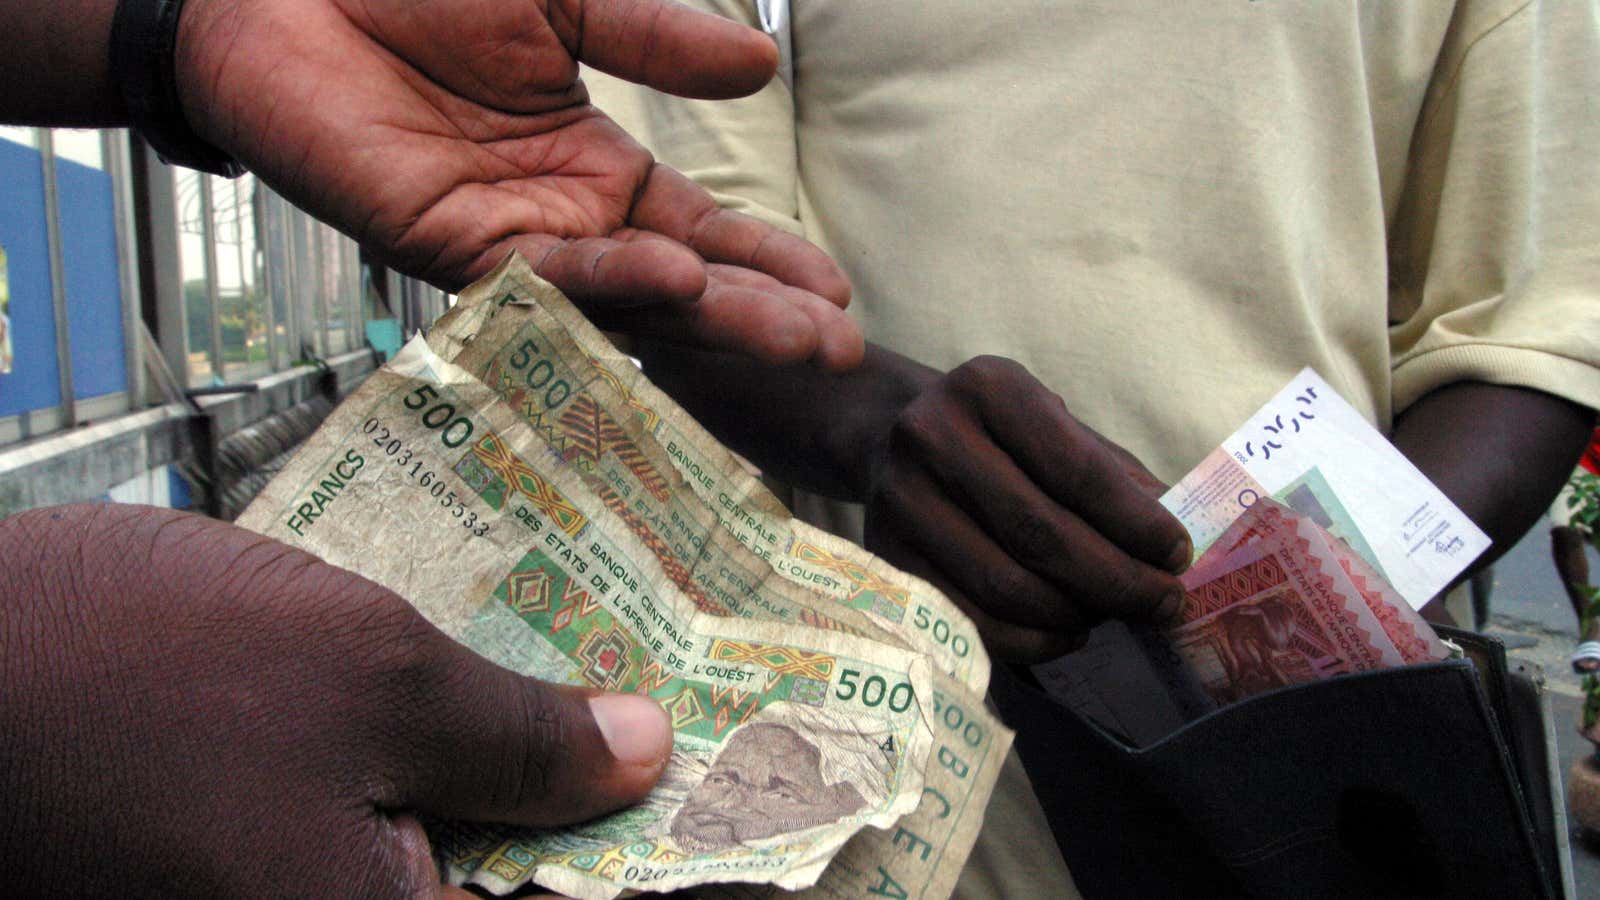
(1128,590)
(1035,540)
(1082,472)
(982,376)
(917,428)
(546,733)
(1014,588)
(892,496)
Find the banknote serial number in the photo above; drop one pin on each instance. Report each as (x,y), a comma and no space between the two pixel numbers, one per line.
(425,479)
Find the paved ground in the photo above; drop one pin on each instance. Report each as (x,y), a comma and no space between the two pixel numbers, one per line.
(1529,608)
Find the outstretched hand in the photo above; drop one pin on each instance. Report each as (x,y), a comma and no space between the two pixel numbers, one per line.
(191,709)
(1039,527)
(443,134)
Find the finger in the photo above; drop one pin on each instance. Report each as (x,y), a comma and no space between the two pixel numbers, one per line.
(937,528)
(1073,464)
(840,344)
(602,274)
(667,46)
(755,322)
(672,205)
(1035,531)
(1005,641)
(486,744)
(519,57)
(403,849)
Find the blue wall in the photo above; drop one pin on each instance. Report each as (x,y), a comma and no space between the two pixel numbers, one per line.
(93,289)
(34,382)
(94,292)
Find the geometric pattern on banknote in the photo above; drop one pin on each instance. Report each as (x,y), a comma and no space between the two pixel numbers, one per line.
(493,452)
(810,691)
(781,660)
(1413,647)
(607,657)
(811,618)
(576,605)
(608,863)
(1266,582)
(862,580)
(733,706)
(528,592)
(481,480)
(685,708)
(704,710)
(511,861)
(1231,587)
(582,629)
(524,402)
(580,422)
(592,434)
(654,678)
(671,565)
(647,416)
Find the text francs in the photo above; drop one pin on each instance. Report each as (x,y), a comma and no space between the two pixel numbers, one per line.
(324,491)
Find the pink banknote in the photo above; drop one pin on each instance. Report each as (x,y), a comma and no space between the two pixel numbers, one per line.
(1271,604)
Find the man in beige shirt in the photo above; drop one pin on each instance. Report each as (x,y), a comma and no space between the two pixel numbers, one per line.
(1158,213)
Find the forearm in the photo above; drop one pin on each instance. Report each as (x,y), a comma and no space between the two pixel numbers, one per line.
(1499,453)
(56,67)
(814,430)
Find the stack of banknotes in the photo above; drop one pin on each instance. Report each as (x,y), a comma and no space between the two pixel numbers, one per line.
(519,481)
(1277,600)
(1318,542)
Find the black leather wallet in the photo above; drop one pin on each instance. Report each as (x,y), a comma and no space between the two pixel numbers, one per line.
(1431,780)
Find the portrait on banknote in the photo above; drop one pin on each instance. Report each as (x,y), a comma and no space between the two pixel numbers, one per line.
(797,769)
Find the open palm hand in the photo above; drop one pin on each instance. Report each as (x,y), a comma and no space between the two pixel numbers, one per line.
(443,134)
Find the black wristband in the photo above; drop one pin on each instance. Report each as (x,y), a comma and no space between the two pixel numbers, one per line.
(144,38)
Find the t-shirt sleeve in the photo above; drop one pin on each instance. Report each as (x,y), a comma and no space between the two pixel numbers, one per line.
(742,150)
(1495,248)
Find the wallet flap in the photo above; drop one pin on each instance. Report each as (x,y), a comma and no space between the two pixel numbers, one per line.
(1388,783)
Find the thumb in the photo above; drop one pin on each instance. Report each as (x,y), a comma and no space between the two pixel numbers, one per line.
(492,746)
(672,48)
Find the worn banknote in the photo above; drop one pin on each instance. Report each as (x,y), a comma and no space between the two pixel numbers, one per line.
(521,337)
(1276,604)
(1272,524)
(518,334)
(425,481)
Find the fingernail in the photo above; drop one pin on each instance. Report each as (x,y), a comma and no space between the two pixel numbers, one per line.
(1178,559)
(1170,611)
(635,728)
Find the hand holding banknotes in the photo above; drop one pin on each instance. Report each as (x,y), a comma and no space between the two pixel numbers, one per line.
(987,486)
(195,710)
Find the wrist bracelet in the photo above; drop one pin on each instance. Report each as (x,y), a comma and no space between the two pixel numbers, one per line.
(144,39)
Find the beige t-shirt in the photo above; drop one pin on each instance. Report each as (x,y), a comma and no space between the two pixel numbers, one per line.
(1165,210)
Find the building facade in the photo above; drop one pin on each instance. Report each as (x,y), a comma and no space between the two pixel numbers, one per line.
(164,332)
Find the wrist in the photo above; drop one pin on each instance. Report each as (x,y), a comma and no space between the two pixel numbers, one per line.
(861,446)
(152,42)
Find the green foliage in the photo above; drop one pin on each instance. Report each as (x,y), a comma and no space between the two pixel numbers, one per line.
(240,315)
(1584,501)
(1591,609)
(1591,701)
